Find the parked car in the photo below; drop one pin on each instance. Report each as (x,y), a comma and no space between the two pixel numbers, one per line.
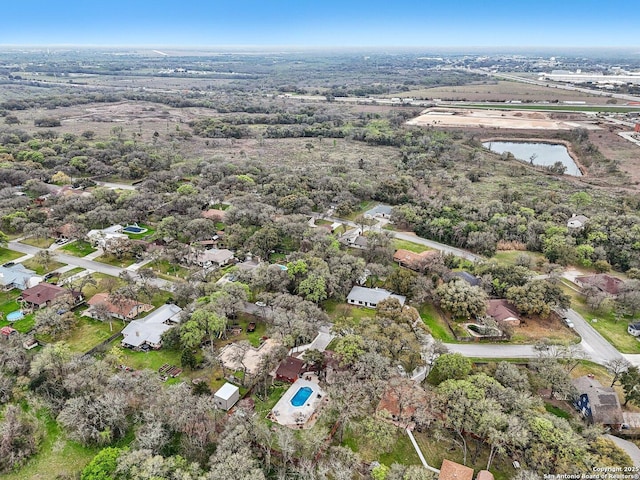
(261,304)
(568,322)
(9,264)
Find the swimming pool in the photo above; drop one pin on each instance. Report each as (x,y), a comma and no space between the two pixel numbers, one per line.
(15,315)
(284,268)
(301,396)
(134,229)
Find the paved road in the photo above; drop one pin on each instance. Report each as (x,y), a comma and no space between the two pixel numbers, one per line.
(116,186)
(411,237)
(631,448)
(597,348)
(85,263)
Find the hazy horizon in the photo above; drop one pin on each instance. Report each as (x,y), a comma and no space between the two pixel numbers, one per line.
(331,24)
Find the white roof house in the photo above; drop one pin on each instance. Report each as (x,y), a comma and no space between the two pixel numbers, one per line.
(149,329)
(17,276)
(226,396)
(370,297)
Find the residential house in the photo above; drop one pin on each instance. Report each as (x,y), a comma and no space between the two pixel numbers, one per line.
(503,312)
(149,329)
(379,211)
(577,221)
(226,396)
(634,329)
(414,261)
(361,242)
(43,295)
(454,471)
(604,282)
(101,237)
(123,308)
(17,276)
(370,297)
(7,331)
(400,400)
(469,278)
(598,404)
(214,256)
(65,231)
(349,237)
(290,369)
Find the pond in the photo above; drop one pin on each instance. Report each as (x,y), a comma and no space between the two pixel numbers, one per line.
(542,154)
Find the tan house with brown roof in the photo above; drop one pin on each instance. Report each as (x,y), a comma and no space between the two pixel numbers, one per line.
(43,294)
(124,308)
(503,312)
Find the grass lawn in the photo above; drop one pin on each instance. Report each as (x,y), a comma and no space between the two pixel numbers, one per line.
(57,457)
(38,242)
(254,337)
(436,323)
(79,248)
(40,269)
(406,245)
(402,450)
(320,221)
(104,283)
(337,309)
(168,270)
(71,273)
(509,257)
(89,332)
(275,392)
(153,359)
(615,331)
(7,255)
(23,325)
(363,207)
(115,261)
(557,411)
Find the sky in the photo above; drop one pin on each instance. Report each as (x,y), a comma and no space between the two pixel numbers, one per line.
(321,23)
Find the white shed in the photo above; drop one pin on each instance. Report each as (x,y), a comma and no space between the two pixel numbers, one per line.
(227,396)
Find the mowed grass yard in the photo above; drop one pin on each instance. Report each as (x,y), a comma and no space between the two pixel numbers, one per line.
(411,246)
(38,242)
(612,329)
(7,255)
(79,248)
(41,269)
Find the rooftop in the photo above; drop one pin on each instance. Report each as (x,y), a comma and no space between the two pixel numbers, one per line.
(226,391)
(42,293)
(454,471)
(372,295)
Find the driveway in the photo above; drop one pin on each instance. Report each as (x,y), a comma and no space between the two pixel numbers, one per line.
(631,448)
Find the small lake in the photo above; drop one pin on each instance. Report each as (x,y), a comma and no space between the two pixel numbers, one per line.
(544,154)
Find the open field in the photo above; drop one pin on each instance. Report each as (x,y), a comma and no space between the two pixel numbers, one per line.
(79,248)
(501,91)
(512,119)
(7,255)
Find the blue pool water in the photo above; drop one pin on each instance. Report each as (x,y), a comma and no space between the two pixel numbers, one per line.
(15,315)
(301,396)
(284,268)
(134,229)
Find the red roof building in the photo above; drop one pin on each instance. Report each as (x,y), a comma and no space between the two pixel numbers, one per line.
(290,369)
(412,260)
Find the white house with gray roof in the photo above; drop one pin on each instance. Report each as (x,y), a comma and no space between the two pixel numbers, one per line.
(149,329)
(383,211)
(370,297)
(17,276)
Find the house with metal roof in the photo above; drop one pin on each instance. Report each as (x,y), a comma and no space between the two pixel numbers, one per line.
(370,297)
(149,329)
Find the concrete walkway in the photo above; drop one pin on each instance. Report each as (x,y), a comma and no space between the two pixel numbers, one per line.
(419,452)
